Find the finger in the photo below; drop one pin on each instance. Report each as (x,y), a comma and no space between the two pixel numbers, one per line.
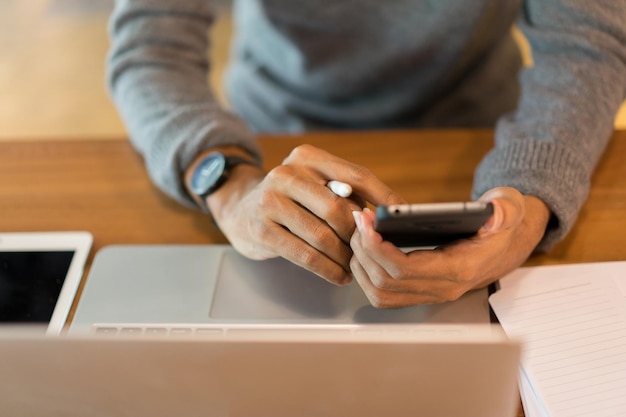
(321,237)
(297,251)
(451,270)
(459,261)
(433,273)
(403,278)
(373,250)
(310,229)
(356,202)
(363,182)
(380,298)
(312,194)
(376,274)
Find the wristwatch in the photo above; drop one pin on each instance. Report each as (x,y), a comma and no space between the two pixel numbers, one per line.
(212,172)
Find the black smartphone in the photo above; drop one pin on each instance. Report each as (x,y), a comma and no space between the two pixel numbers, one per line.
(428,225)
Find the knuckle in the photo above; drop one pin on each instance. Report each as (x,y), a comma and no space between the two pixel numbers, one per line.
(297,153)
(456,293)
(266,201)
(261,230)
(376,303)
(336,275)
(400,274)
(381,282)
(311,260)
(309,257)
(360,174)
(354,263)
(391,197)
(334,207)
(321,235)
(452,294)
(381,301)
(278,174)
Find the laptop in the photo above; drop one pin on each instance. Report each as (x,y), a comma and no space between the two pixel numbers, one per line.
(142,285)
(361,370)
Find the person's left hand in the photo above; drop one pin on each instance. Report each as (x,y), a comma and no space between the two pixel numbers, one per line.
(391,278)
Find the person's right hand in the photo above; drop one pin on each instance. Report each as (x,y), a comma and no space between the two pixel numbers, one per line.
(290,212)
(394,278)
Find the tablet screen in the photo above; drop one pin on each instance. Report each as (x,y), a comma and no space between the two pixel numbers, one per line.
(30,284)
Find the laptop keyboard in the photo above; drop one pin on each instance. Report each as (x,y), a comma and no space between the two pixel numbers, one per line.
(153,330)
(212,330)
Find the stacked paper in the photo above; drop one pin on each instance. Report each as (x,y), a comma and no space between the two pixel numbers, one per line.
(572,320)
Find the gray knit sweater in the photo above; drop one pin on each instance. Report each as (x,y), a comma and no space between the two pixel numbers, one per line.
(352,64)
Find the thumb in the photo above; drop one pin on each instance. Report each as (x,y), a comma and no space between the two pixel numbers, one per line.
(508,209)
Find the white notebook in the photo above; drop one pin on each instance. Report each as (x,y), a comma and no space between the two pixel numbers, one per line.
(572,320)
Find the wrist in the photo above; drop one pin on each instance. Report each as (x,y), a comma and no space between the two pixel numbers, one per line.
(538,216)
(209,172)
(224,201)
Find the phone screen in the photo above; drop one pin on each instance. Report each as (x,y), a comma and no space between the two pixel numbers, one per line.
(30,284)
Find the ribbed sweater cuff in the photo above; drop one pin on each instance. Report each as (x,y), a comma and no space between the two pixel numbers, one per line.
(546,170)
(168,160)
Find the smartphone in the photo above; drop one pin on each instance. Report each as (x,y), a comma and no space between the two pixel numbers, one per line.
(430,225)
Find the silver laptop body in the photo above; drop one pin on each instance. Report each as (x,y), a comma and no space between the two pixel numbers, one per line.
(347,370)
(213,284)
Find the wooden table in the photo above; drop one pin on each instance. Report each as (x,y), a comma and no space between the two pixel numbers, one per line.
(102,187)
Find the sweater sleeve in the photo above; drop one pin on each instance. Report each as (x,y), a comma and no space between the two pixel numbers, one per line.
(157,76)
(551,144)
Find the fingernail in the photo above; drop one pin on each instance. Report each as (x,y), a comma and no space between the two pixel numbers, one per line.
(358,220)
(347,280)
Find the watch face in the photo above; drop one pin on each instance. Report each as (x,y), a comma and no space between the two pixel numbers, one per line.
(208,173)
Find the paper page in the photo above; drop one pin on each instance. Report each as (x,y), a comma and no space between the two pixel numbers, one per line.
(572,320)
(532,405)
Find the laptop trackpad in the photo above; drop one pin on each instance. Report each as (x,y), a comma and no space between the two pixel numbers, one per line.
(273,289)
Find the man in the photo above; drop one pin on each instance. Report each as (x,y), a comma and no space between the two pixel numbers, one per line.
(356,64)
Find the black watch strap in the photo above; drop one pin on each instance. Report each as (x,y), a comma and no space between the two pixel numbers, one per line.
(230,161)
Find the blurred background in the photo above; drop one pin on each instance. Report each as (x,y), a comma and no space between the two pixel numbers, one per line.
(52,56)
(52,82)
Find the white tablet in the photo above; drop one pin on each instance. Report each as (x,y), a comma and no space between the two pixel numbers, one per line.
(39,275)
